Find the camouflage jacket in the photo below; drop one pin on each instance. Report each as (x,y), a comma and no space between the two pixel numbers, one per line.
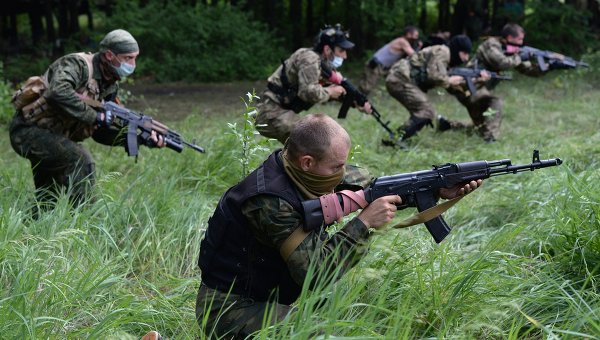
(272,220)
(428,68)
(303,70)
(490,56)
(67,114)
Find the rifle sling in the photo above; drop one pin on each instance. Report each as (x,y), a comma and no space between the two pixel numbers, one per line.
(428,214)
(292,242)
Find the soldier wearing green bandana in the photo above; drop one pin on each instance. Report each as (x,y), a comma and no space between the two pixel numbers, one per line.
(49,136)
(250,275)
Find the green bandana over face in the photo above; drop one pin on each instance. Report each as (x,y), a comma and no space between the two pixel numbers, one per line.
(311,185)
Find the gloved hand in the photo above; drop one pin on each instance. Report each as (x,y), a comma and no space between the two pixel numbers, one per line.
(336,78)
(524,55)
(104,119)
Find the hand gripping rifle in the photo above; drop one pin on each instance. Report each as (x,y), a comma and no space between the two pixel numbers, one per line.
(548,60)
(354,95)
(122,117)
(421,188)
(469,73)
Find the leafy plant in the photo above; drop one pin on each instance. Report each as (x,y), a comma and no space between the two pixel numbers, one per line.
(6,92)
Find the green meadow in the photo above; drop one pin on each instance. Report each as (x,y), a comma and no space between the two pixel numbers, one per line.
(522,260)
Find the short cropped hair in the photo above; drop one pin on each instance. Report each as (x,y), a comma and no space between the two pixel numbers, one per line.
(511,29)
(313,135)
(409,29)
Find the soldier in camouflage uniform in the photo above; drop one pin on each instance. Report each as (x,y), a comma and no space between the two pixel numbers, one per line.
(48,134)
(485,109)
(297,84)
(379,65)
(255,254)
(409,80)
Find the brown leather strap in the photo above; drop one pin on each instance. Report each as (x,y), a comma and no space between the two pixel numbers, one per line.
(428,214)
(332,211)
(292,242)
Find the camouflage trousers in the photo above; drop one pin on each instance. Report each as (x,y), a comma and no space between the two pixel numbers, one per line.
(372,73)
(273,121)
(421,111)
(57,163)
(485,111)
(229,316)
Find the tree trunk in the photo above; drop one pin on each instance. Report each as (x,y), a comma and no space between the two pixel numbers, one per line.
(325,13)
(310,31)
(423,15)
(49,19)
(63,19)
(296,20)
(444,15)
(34,12)
(73,16)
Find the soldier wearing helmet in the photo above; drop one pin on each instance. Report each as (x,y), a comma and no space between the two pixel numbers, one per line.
(299,83)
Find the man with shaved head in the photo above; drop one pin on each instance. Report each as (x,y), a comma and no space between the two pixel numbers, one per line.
(249,270)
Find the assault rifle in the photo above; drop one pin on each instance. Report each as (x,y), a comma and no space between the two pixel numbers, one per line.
(420,188)
(122,117)
(548,60)
(354,95)
(469,73)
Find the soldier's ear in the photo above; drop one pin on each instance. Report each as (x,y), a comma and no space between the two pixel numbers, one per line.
(306,162)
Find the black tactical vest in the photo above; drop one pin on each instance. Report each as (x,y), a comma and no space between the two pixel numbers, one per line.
(230,256)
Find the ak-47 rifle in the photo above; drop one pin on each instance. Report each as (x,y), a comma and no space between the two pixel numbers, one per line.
(421,188)
(123,117)
(469,73)
(353,95)
(548,60)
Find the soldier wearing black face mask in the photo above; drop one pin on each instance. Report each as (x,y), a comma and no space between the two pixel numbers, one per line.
(409,80)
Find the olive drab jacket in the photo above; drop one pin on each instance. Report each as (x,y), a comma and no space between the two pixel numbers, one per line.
(61,109)
(490,55)
(303,72)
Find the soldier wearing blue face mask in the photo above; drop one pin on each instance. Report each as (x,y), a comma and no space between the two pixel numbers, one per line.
(298,83)
(48,131)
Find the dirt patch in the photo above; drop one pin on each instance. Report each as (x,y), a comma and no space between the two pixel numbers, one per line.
(175,101)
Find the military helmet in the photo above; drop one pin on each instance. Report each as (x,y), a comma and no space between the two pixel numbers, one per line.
(333,36)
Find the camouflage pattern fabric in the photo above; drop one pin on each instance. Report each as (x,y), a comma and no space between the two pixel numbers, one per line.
(57,160)
(371,75)
(272,220)
(273,121)
(231,316)
(490,55)
(402,85)
(56,163)
(303,70)
(484,108)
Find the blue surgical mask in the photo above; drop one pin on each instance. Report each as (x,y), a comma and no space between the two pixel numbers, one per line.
(337,61)
(124,69)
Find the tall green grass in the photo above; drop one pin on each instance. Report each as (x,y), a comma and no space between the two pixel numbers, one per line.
(521,262)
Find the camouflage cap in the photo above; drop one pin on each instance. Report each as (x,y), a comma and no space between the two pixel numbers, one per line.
(119,41)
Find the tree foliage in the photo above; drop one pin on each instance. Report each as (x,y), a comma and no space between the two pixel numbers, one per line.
(199,43)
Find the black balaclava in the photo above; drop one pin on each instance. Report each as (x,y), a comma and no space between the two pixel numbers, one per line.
(458,43)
